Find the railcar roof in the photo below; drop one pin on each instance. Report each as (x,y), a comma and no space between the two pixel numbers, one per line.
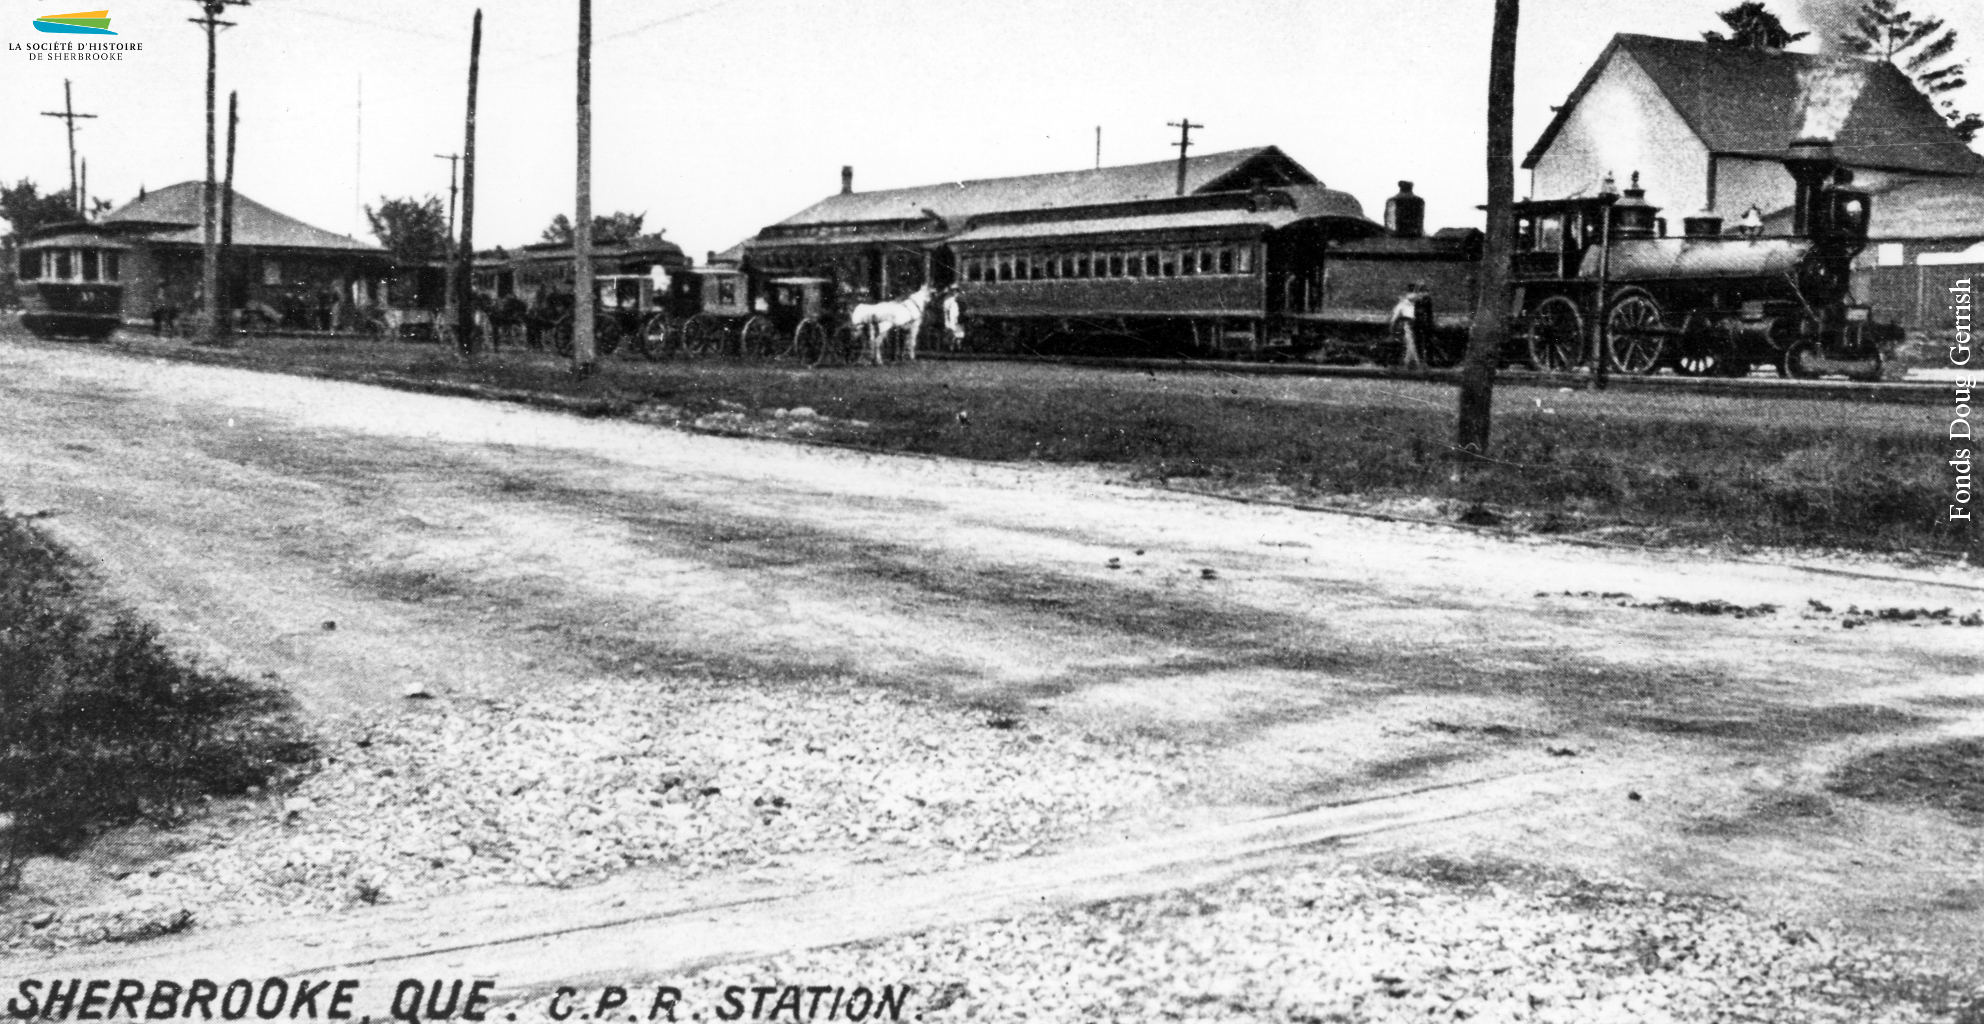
(955,201)
(1310,203)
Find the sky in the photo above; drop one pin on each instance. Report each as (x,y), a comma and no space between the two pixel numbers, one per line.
(715,118)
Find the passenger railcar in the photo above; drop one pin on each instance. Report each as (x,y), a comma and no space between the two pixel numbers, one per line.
(71,280)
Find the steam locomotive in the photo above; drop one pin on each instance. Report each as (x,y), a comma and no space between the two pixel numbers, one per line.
(1599,274)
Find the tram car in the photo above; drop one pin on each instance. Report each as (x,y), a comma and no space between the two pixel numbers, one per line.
(71,282)
(1601,274)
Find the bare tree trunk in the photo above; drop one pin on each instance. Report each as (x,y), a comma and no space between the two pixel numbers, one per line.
(1491,308)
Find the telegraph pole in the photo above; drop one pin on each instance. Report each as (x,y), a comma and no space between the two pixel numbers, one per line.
(451,309)
(227,189)
(464,254)
(68,113)
(1184,126)
(210,12)
(583,352)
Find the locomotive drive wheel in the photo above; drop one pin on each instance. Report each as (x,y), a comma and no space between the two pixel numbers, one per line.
(1555,333)
(809,342)
(1637,332)
(656,338)
(702,336)
(757,338)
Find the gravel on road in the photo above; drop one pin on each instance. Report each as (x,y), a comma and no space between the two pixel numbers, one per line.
(680,774)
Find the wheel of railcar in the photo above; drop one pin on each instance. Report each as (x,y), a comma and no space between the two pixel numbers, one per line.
(1637,334)
(1555,331)
(702,336)
(809,342)
(758,338)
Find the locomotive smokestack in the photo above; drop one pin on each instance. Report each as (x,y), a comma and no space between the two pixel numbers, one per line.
(847,179)
(1811,163)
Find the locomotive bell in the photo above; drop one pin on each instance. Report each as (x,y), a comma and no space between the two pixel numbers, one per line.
(1632,215)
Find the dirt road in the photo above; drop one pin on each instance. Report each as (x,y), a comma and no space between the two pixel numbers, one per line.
(484,549)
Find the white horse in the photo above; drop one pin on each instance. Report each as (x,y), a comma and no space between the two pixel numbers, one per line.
(877,319)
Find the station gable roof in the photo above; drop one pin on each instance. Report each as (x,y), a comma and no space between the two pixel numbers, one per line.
(1750,102)
(173,215)
(954,202)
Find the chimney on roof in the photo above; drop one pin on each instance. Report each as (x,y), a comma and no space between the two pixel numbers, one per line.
(847,179)
(710,258)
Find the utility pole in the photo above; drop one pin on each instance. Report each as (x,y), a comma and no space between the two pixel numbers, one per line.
(464,255)
(68,113)
(227,191)
(210,12)
(451,309)
(1491,307)
(583,351)
(85,187)
(1098,147)
(1184,143)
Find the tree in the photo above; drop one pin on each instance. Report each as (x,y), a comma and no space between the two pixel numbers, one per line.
(1491,308)
(1921,48)
(621,227)
(1753,28)
(413,230)
(25,209)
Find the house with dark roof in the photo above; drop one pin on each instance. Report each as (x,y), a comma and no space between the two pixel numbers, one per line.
(885,243)
(297,271)
(1706,126)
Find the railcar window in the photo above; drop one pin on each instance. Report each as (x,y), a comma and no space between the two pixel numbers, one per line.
(1115,265)
(1244,261)
(1226,261)
(112,264)
(1170,265)
(1188,264)
(1020,268)
(1206,261)
(31,265)
(1136,264)
(1005,270)
(1150,264)
(1039,268)
(1067,266)
(971,270)
(92,266)
(1053,269)
(1081,266)
(65,265)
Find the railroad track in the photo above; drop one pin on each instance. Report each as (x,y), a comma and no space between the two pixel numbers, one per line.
(1889,392)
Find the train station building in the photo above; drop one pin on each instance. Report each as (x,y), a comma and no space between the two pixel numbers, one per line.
(301,275)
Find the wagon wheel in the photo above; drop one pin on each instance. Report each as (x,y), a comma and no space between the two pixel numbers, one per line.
(809,342)
(1637,336)
(702,336)
(755,341)
(1554,331)
(657,341)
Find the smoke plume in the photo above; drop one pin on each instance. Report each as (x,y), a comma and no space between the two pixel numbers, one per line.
(1827,20)
(1825,97)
